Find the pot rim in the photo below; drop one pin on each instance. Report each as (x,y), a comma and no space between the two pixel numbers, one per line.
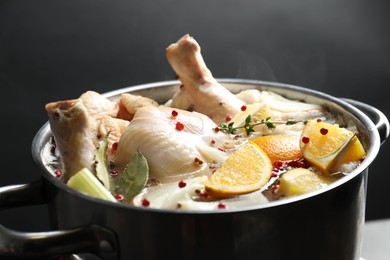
(372,151)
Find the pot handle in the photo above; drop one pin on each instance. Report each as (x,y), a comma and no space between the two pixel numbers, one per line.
(380,120)
(87,239)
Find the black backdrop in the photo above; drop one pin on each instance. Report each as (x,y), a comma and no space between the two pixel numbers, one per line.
(52,50)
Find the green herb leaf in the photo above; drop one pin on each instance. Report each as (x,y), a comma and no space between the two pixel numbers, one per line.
(249,129)
(102,164)
(249,125)
(248,119)
(270,124)
(133,178)
(291,122)
(228,128)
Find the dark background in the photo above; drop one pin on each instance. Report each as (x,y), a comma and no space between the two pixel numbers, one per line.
(54,50)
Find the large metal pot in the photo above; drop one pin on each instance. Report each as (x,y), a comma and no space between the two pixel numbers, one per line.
(327,224)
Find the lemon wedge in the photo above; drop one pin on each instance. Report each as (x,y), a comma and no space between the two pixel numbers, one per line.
(257,111)
(301,180)
(327,145)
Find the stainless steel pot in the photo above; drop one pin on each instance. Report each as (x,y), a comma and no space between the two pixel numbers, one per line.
(327,224)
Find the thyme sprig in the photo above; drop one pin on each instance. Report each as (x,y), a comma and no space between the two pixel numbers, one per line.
(248,126)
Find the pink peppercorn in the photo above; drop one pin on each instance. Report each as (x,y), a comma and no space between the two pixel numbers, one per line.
(174,113)
(221,205)
(323,131)
(179,126)
(305,139)
(119,197)
(145,202)
(182,184)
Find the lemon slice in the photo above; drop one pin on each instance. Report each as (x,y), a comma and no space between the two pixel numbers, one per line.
(246,170)
(257,111)
(325,145)
(300,180)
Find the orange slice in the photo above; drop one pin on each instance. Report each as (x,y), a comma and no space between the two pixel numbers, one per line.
(280,147)
(326,145)
(244,171)
(300,180)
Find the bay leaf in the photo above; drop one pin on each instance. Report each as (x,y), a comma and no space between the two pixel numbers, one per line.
(102,163)
(133,178)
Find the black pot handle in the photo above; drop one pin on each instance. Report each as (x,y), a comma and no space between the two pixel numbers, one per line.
(380,120)
(21,195)
(87,239)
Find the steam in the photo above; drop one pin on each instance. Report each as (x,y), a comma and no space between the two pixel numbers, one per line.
(252,66)
(306,68)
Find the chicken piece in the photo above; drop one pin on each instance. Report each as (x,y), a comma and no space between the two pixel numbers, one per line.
(171,151)
(200,91)
(129,104)
(102,114)
(98,106)
(114,126)
(69,124)
(79,125)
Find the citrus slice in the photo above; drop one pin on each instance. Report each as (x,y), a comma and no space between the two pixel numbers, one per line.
(257,111)
(300,180)
(324,145)
(280,147)
(354,152)
(244,171)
